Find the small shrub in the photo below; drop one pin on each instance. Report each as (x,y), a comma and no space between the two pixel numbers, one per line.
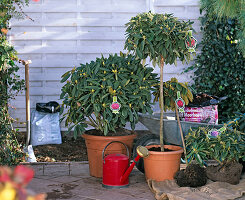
(222,146)
(91,88)
(11,152)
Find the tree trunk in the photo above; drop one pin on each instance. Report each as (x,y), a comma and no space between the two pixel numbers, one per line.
(161,104)
(181,133)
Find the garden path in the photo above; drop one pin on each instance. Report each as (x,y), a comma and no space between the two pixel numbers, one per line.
(72,181)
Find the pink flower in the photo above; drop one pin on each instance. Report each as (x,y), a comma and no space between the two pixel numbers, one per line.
(4,175)
(23,174)
(180,103)
(115,106)
(215,133)
(192,42)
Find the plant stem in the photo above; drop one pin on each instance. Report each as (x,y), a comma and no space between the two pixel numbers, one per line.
(161,104)
(181,133)
(99,122)
(93,123)
(89,123)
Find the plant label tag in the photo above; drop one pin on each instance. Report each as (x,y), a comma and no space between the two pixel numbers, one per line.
(115,106)
(190,42)
(180,103)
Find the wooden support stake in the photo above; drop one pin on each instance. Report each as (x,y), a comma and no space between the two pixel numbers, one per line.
(181,132)
(28,109)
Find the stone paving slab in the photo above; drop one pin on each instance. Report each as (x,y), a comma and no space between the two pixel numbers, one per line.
(71,180)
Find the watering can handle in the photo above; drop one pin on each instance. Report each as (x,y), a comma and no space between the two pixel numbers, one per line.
(111,143)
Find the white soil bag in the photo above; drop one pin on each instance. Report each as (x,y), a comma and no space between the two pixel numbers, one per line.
(45,128)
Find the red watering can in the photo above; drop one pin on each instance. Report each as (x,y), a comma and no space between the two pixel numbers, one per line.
(116,167)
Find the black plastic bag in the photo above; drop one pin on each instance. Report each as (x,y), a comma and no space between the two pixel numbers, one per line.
(50,107)
(202,100)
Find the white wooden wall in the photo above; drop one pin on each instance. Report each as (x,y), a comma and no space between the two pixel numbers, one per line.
(68,32)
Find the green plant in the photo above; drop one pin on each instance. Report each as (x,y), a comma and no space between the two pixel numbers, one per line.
(10,84)
(11,152)
(220,68)
(231,9)
(170,89)
(91,88)
(11,9)
(161,37)
(223,146)
(238,122)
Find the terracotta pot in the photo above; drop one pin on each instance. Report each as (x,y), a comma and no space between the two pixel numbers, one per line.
(95,146)
(161,166)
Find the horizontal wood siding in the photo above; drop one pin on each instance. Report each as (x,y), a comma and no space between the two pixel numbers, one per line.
(66,33)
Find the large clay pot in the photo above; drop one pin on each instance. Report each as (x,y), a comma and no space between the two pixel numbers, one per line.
(161,166)
(95,146)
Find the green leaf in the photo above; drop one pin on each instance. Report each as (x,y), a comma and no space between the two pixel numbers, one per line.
(132,124)
(97,67)
(142,45)
(104,96)
(65,77)
(139,54)
(61,110)
(106,129)
(164,52)
(84,97)
(124,113)
(198,158)
(131,118)
(70,128)
(154,62)
(76,132)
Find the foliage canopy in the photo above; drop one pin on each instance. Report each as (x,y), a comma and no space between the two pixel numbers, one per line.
(227,146)
(91,88)
(155,35)
(234,9)
(220,68)
(11,152)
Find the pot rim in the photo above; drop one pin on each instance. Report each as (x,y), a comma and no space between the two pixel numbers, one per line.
(179,151)
(96,137)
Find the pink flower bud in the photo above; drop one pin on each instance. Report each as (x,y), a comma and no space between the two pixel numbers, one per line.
(115,106)
(180,103)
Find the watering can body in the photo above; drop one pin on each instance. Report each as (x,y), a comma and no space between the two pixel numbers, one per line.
(114,167)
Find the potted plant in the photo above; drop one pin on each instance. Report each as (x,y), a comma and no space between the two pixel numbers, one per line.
(172,132)
(170,95)
(161,37)
(225,145)
(106,94)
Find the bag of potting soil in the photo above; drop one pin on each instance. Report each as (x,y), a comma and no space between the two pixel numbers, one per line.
(45,128)
(203,109)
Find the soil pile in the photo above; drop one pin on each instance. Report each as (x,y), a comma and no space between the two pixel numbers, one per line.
(192,176)
(69,150)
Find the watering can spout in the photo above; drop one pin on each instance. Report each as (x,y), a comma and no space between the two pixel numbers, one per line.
(142,152)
